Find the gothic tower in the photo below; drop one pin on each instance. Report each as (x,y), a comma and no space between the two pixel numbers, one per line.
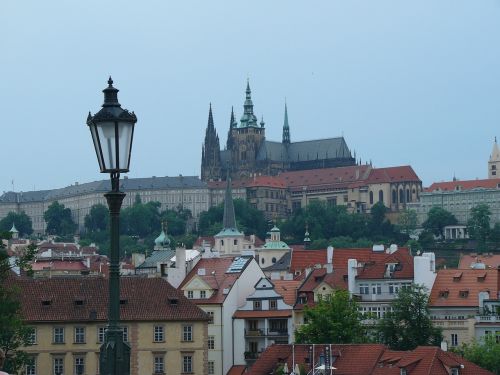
(494,162)
(210,152)
(244,141)
(286,129)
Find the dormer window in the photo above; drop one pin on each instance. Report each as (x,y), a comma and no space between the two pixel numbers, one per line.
(463,293)
(403,372)
(203,294)
(455,371)
(257,305)
(273,304)
(457,276)
(444,293)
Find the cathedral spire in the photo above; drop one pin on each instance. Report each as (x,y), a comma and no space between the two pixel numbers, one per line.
(232,121)
(210,118)
(286,127)
(229,220)
(248,118)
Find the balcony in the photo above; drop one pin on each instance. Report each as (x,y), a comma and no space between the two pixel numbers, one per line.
(488,319)
(277,332)
(269,332)
(254,332)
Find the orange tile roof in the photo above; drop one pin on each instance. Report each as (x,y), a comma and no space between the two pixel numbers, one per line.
(302,259)
(492,183)
(58,265)
(215,276)
(287,289)
(489,260)
(474,281)
(237,370)
(367,359)
(244,314)
(393,174)
(53,300)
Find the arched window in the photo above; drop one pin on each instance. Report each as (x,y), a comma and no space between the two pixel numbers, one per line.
(262,261)
(401,196)
(408,199)
(371,197)
(380,196)
(222,242)
(394,197)
(273,260)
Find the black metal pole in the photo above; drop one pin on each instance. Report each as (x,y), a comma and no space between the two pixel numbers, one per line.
(115,353)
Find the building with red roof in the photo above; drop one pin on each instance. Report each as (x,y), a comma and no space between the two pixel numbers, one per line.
(363,359)
(219,286)
(69,318)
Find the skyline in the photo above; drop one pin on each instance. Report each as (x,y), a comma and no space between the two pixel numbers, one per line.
(413,84)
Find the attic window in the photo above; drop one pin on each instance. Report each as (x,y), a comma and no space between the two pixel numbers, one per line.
(46,302)
(79,302)
(463,293)
(173,301)
(444,293)
(318,278)
(457,276)
(123,301)
(481,276)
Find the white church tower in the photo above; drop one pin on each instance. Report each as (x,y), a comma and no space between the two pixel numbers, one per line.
(494,162)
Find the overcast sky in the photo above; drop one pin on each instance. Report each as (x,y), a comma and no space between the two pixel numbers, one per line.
(406,82)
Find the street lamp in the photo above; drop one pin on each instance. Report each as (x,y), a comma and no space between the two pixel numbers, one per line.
(112,130)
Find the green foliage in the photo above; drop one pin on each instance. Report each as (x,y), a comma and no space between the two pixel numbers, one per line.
(97,219)
(437,219)
(140,219)
(407,221)
(495,234)
(484,353)
(478,225)
(22,222)
(59,221)
(249,220)
(426,239)
(13,333)
(408,325)
(177,220)
(333,320)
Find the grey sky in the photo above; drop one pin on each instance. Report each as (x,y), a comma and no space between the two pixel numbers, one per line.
(406,82)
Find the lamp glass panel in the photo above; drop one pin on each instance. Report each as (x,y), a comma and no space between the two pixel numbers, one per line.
(106,131)
(93,132)
(125,141)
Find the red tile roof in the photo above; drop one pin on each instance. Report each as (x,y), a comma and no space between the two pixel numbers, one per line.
(302,259)
(392,174)
(489,260)
(376,268)
(215,276)
(58,265)
(244,314)
(446,289)
(237,370)
(367,359)
(492,183)
(287,289)
(145,299)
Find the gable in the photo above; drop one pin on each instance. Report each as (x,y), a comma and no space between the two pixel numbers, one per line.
(196,283)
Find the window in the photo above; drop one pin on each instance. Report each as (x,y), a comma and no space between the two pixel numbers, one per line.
(364,289)
(222,242)
(101,332)
(125,333)
(464,293)
(158,334)
(58,365)
(454,339)
(190,294)
(401,196)
(371,197)
(273,260)
(211,342)
(210,317)
(376,288)
(203,294)
(79,335)
(211,367)
(235,242)
(393,288)
(187,333)
(380,196)
(32,338)
(273,304)
(58,335)
(394,197)
(79,365)
(454,371)
(31,367)
(159,364)
(187,364)
(257,305)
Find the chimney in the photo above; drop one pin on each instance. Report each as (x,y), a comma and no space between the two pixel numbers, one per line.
(329,254)
(352,272)
(444,346)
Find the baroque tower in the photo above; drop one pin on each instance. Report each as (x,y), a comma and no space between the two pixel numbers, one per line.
(210,153)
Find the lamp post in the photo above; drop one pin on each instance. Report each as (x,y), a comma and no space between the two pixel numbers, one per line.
(112,130)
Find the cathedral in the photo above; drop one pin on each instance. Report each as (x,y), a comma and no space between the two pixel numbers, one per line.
(248,153)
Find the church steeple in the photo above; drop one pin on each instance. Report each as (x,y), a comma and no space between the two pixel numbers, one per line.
(210,160)
(248,118)
(286,128)
(494,162)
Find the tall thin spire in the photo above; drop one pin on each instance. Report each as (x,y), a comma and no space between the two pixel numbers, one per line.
(229,220)
(210,117)
(286,127)
(248,118)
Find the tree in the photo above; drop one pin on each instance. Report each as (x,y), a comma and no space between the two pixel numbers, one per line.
(97,219)
(437,219)
(495,234)
(478,225)
(407,221)
(484,353)
(333,320)
(408,325)
(22,222)
(141,219)
(59,220)
(13,333)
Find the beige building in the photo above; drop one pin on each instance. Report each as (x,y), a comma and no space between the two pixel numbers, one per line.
(166,332)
